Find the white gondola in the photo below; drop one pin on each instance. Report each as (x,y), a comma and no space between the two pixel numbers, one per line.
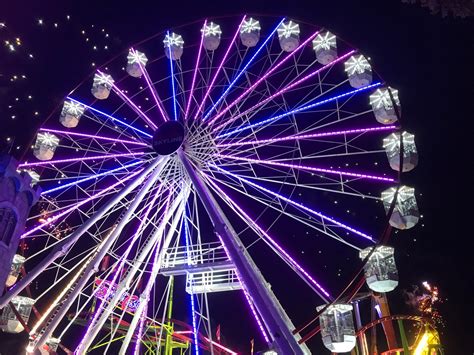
(102,85)
(325,47)
(135,62)
(337,328)
(8,320)
(250,32)
(212,36)
(405,214)
(358,71)
(45,146)
(383,107)
(35,177)
(71,114)
(289,36)
(391,144)
(173,46)
(381,272)
(17,263)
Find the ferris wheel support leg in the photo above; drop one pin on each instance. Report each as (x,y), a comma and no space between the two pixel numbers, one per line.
(62,247)
(272,313)
(94,263)
(123,286)
(144,297)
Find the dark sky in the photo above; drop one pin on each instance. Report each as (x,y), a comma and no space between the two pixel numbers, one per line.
(427,58)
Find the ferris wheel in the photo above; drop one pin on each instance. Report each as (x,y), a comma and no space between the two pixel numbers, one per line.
(198,161)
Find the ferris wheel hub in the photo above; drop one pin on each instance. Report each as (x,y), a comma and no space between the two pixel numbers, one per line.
(168,137)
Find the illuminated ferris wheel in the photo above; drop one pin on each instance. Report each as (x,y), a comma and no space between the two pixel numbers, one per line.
(197,162)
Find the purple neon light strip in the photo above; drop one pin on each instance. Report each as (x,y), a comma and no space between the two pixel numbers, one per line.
(299,109)
(131,103)
(172,80)
(264,77)
(91,177)
(243,69)
(282,91)
(305,167)
(195,73)
(110,117)
(211,86)
(76,206)
(72,160)
(152,89)
(297,204)
(273,242)
(92,136)
(309,136)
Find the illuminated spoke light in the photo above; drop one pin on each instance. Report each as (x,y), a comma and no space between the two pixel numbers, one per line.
(173,89)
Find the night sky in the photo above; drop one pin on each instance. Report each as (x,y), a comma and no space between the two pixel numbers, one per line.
(427,58)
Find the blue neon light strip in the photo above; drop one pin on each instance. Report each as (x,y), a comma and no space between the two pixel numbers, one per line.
(111,117)
(243,69)
(296,110)
(172,80)
(91,177)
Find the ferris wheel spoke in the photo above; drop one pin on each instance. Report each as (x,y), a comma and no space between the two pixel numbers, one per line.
(264,77)
(307,136)
(103,312)
(290,86)
(95,137)
(296,204)
(172,79)
(309,221)
(193,82)
(297,110)
(219,68)
(307,168)
(276,247)
(115,120)
(154,93)
(131,104)
(79,159)
(243,70)
(75,207)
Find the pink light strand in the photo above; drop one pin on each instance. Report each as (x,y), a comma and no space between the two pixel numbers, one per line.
(110,156)
(195,73)
(305,167)
(91,136)
(75,207)
(152,89)
(309,136)
(264,77)
(131,104)
(273,242)
(282,91)
(297,204)
(219,68)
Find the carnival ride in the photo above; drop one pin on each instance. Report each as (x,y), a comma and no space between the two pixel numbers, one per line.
(188,158)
